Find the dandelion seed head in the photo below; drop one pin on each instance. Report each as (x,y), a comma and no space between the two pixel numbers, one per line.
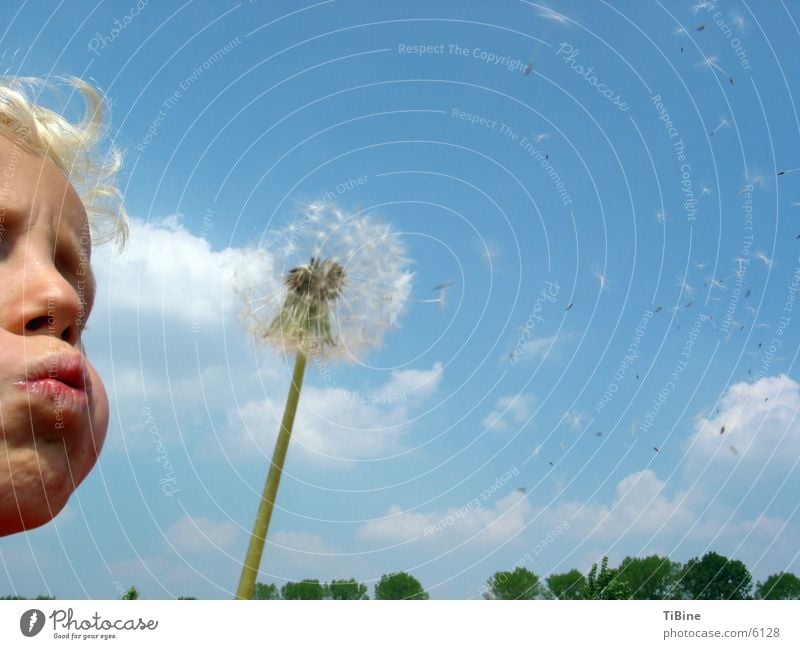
(335,291)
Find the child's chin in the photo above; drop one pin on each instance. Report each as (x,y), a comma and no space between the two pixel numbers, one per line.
(32,513)
(34,498)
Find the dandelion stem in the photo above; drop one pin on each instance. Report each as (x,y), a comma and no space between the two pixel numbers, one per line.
(247,582)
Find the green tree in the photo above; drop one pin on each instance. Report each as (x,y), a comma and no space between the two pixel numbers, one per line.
(784,585)
(567,585)
(716,577)
(306,589)
(346,589)
(650,577)
(520,584)
(132,593)
(266,591)
(399,585)
(605,585)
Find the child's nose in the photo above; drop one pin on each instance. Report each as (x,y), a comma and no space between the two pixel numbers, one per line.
(52,305)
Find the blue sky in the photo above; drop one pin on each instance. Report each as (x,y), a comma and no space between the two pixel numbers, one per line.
(479,131)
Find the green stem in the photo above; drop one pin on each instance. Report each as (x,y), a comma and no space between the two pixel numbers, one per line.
(247,582)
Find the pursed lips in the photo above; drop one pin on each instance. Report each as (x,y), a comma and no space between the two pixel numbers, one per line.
(61,379)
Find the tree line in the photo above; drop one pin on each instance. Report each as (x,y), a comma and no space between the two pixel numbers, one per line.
(711,576)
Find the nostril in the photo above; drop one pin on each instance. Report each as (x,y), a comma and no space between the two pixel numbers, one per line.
(36,323)
(66,335)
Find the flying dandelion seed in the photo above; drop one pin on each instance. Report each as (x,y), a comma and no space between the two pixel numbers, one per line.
(544,135)
(722,124)
(681,283)
(573,419)
(711,63)
(740,22)
(550,14)
(602,279)
(717,283)
(343,286)
(442,299)
(762,257)
(490,255)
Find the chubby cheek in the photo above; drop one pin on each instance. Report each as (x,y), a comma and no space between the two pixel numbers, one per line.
(91,443)
(37,479)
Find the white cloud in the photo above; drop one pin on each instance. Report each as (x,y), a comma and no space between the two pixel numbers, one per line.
(761,426)
(168,271)
(539,347)
(415,383)
(334,422)
(640,508)
(515,409)
(201,535)
(485,525)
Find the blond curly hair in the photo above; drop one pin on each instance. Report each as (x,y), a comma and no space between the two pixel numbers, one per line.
(72,147)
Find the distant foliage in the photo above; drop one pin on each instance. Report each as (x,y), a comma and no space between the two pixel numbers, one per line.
(306,589)
(715,577)
(712,576)
(266,591)
(650,577)
(604,584)
(346,589)
(783,585)
(399,585)
(520,584)
(132,593)
(567,585)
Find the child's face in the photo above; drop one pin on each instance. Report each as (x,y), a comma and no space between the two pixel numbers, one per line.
(53,407)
